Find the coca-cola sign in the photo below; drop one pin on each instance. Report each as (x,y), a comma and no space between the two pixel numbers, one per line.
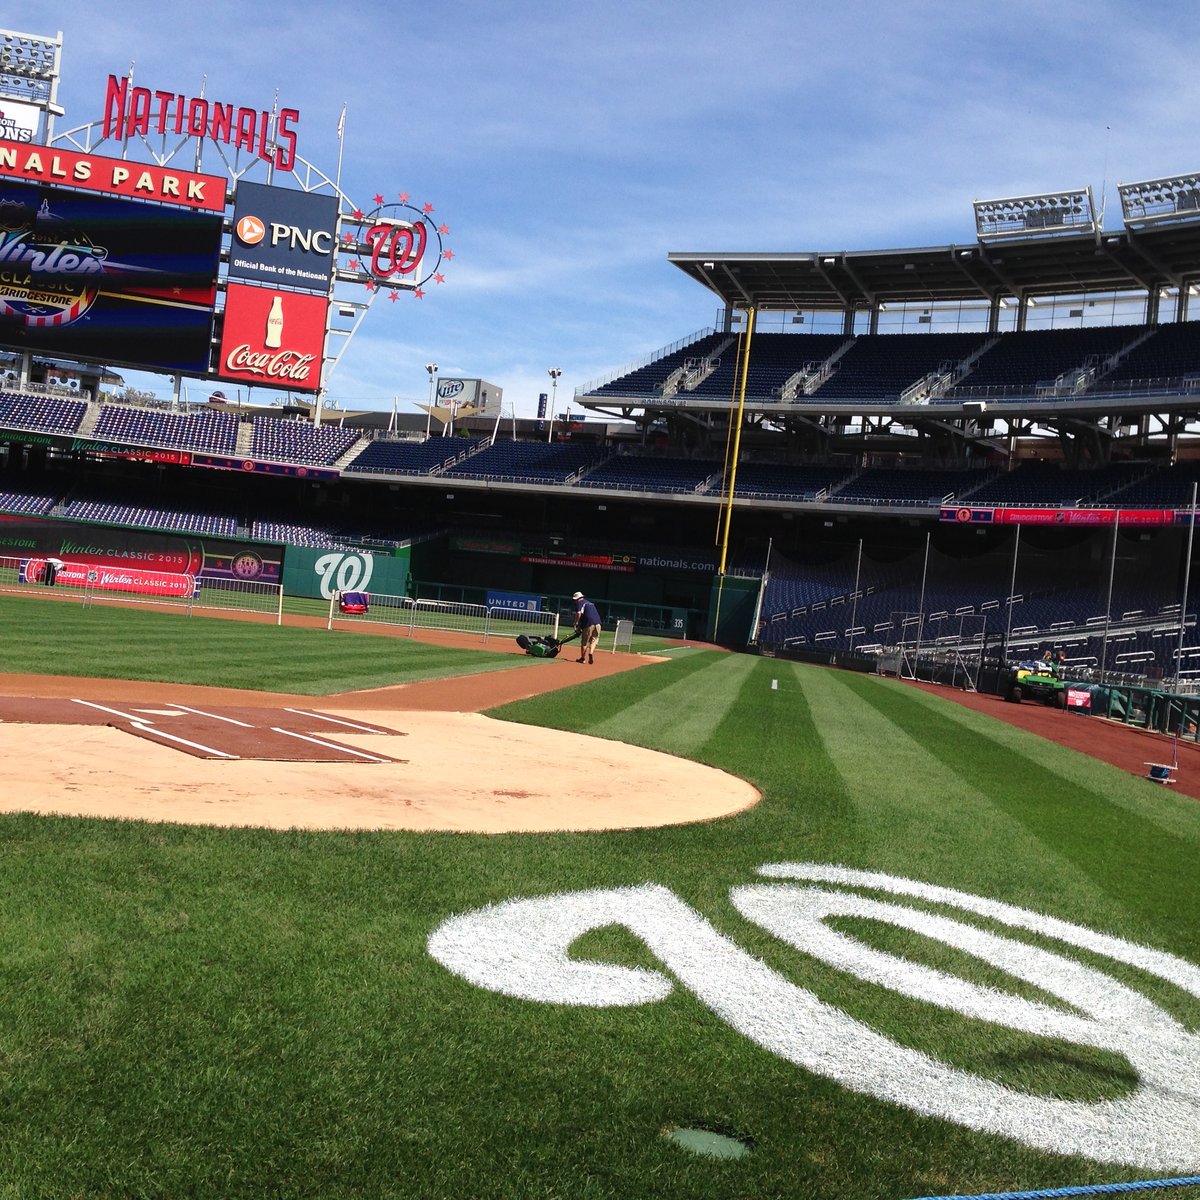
(270,364)
(273,338)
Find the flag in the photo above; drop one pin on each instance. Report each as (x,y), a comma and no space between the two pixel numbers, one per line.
(342,123)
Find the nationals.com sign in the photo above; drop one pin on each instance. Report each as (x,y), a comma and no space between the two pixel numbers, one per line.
(273,338)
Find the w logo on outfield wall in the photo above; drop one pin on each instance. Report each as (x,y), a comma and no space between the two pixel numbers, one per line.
(522,948)
(343,571)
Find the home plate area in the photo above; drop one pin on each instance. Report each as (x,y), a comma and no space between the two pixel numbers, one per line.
(274,734)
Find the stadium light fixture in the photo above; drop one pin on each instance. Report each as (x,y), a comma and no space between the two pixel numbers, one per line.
(554,373)
(432,369)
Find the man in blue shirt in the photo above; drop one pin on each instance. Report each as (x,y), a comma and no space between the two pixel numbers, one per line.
(587,621)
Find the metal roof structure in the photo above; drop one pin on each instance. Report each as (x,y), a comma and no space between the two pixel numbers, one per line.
(1129,260)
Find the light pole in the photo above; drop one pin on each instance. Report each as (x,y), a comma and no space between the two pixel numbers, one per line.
(432,368)
(554,373)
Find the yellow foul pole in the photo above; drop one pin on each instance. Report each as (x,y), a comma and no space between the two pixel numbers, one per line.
(731,473)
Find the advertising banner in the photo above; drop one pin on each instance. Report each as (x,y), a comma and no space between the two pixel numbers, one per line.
(113,579)
(135,549)
(111,176)
(590,562)
(272,338)
(517,601)
(1073,517)
(19,122)
(110,280)
(249,466)
(282,237)
(964,515)
(486,545)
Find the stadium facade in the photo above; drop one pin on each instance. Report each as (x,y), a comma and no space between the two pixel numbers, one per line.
(869,448)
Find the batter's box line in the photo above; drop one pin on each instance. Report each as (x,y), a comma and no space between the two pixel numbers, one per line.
(316,716)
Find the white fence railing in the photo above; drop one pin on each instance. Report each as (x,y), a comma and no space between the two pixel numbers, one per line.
(89,583)
(449,616)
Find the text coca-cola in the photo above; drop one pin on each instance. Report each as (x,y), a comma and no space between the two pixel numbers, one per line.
(282,364)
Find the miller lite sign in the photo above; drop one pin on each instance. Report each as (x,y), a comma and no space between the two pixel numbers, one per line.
(273,338)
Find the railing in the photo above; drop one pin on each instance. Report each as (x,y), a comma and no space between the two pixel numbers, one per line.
(593,385)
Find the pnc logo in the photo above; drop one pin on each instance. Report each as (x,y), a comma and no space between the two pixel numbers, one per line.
(251,231)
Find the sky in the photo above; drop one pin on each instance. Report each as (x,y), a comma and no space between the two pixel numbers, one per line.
(569,147)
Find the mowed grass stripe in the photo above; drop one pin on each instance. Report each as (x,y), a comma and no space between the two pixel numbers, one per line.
(1123,854)
(111,643)
(918,814)
(1166,809)
(590,708)
(769,736)
(684,714)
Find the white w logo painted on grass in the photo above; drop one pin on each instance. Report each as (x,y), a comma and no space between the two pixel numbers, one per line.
(520,948)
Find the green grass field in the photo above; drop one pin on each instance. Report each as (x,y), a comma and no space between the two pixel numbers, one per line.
(198,1012)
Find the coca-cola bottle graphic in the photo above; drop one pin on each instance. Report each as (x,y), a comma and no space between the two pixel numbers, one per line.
(274,337)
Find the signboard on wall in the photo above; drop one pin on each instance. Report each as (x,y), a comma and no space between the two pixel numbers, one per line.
(273,338)
(111,176)
(19,122)
(282,237)
(1074,517)
(112,280)
(324,573)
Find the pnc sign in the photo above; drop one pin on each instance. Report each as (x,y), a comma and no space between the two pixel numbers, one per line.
(283,237)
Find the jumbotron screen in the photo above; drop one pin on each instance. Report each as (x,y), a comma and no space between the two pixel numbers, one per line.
(108,279)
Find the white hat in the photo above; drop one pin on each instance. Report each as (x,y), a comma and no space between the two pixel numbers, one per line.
(577,596)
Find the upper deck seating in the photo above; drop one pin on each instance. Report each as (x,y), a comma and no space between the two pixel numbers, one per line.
(50,414)
(1169,355)
(278,439)
(529,462)
(1021,362)
(774,359)
(387,457)
(205,432)
(879,367)
(631,472)
(648,380)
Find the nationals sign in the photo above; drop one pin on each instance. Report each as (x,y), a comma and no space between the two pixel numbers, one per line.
(273,338)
